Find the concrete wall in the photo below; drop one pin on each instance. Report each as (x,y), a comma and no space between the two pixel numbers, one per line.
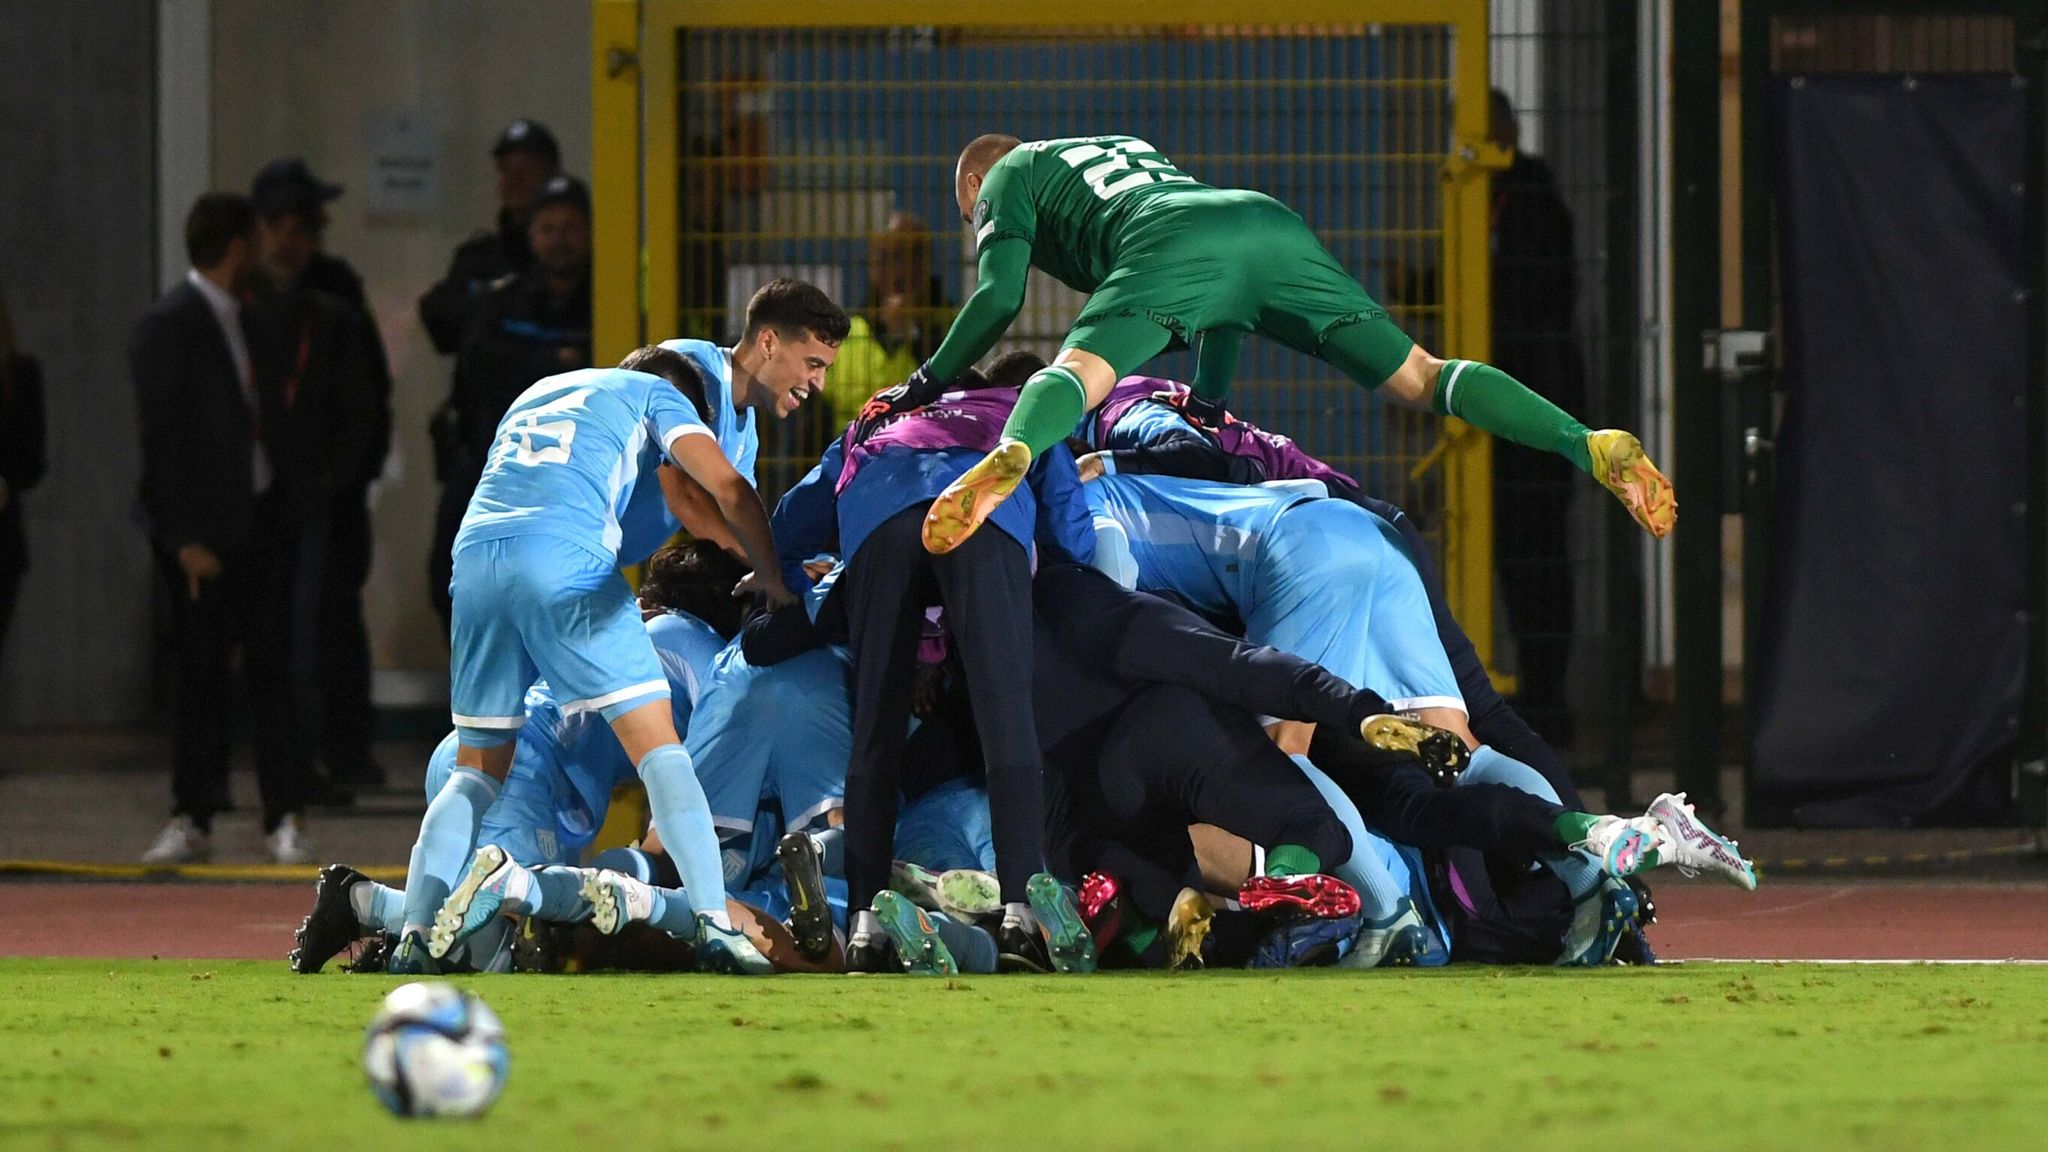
(77,249)
(311,80)
(79,179)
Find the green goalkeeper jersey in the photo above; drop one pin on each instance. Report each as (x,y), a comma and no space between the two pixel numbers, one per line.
(1075,201)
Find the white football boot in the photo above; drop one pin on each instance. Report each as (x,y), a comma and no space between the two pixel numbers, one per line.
(1685,842)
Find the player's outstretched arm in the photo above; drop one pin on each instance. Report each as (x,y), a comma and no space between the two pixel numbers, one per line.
(739,504)
(1001,275)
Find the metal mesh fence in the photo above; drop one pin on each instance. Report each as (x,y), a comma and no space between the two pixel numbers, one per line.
(827,153)
(1554,328)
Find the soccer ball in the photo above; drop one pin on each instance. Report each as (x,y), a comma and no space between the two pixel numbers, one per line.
(434,1050)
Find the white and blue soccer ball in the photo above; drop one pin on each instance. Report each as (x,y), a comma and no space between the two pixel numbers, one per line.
(435,1050)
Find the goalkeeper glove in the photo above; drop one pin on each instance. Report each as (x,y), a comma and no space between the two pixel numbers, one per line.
(908,396)
(1201,413)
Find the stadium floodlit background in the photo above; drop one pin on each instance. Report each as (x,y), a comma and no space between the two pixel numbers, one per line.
(1798,245)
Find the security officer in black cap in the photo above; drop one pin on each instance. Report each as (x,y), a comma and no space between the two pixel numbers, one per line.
(313,329)
(524,328)
(527,157)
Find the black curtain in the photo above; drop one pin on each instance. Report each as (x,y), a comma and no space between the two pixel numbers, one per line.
(1894,648)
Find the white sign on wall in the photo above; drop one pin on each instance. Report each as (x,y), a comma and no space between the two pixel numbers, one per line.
(405,165)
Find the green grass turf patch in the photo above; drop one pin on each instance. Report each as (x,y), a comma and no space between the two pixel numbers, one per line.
(228,1055)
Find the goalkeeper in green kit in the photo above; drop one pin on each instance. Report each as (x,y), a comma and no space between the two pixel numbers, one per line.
(1167,259)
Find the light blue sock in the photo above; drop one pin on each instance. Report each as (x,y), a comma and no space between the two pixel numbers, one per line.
(447,839)
(1491,767)
(832,850)
(386,911)
(1378,893)
(1580,872)
(972,947)
(683,815)
(673,914)
(557,895)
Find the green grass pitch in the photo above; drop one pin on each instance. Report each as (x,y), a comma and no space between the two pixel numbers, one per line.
(241,1055)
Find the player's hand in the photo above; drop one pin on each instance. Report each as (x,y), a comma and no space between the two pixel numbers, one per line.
(908,396)
(200,565)
(772,587)
(1090,467)
(818,567)
(1199,412)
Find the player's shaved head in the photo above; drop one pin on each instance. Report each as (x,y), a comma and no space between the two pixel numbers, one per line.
(982,152)
(976,159)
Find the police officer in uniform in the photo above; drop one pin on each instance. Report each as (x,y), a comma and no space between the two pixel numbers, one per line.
(524,327)
(526,157)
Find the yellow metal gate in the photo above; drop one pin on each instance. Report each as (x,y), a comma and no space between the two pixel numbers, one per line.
(738,142)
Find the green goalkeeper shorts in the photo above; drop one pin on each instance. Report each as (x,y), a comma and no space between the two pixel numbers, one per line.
(1207,259)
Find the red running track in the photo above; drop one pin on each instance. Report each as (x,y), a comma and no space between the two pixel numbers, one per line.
(1869,921)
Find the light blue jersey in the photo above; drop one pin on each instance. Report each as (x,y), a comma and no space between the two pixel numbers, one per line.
(1337,587)
(775,740)
(1196,540)
(734,426)
(646,524)
(569,453)
(688,649)
(1322,579)
(782,732)
(948,827)
(536,590)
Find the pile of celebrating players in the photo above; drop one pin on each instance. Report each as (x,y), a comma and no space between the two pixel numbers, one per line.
(1046,667)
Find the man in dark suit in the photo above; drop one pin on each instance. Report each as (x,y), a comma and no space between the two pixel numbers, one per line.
(222,497)
(321,301)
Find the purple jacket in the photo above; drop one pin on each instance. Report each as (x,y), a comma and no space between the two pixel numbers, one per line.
(972,421)
(1277,457)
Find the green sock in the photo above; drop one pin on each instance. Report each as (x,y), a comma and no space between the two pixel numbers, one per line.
(1493,401)
(1140,937)
(1292,860)
(1051,404)
(1571,827)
